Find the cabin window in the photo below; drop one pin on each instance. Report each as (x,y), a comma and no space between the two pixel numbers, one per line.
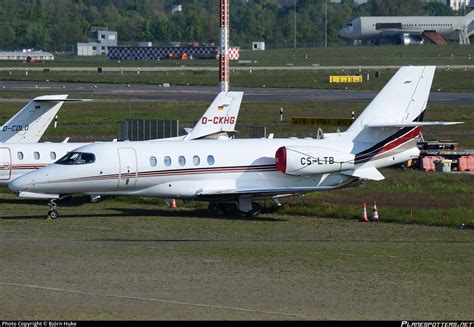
(196,160)
(20,155)
(210,160)
(52,155)
(76,158)
(153,161)
(167,161)
(36,155)
(181,160)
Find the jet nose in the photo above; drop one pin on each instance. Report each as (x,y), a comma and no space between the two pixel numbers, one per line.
(343,32)
(15,185)
(19,184)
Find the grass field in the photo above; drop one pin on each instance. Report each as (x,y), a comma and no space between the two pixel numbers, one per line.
(98,121)
(115,260)
(445,80)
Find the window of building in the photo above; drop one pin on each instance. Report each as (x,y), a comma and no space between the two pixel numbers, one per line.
(153,161)
(181,160)
(20,155)
(167,161)
(210,160)
(52,155)
(196,160)
(36,155)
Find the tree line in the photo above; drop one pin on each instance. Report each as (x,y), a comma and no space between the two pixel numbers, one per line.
(58,25)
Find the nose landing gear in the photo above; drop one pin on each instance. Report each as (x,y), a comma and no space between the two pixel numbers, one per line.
(52,213)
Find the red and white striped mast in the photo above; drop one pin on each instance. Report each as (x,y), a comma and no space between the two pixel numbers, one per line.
(224,46)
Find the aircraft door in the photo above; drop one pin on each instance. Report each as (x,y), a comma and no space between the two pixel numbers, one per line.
(127,168)
(5,164)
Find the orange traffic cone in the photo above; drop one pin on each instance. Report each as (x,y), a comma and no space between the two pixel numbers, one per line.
(364,213)
(375,213)
(173,204)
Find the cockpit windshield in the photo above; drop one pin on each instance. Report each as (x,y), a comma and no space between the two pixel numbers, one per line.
(76,158)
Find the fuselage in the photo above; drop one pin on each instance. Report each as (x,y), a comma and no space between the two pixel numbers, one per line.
(203,169)
(363,28)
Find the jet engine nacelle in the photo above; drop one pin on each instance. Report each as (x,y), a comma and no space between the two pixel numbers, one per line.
(407,39)
(302,161)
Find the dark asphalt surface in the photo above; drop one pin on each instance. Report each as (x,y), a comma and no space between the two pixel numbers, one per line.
(118,92)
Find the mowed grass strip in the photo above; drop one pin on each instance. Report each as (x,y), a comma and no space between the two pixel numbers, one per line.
(445,79)
(97,121)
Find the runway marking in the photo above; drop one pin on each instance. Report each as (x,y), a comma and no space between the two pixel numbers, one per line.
(199,305)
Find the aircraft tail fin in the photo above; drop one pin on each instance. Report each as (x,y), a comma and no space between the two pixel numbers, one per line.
(391,123)
(403,99)
(220,116)
(29,124)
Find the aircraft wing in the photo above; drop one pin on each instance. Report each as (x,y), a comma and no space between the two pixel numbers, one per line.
(263,193)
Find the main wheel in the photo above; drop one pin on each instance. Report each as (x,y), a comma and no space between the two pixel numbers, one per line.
(53,214)
(256,210)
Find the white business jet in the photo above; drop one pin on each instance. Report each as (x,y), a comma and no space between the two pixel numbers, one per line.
(240,171)
(17,159)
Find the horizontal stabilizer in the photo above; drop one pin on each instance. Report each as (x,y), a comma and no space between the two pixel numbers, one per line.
(412,124)
(58,98)
(371,173)
(32,195)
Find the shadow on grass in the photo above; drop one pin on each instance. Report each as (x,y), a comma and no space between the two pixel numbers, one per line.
(158,213)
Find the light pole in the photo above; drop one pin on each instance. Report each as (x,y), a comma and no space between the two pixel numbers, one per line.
(326,25)
(294,25)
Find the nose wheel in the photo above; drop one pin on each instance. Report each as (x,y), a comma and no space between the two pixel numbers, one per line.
(52,213)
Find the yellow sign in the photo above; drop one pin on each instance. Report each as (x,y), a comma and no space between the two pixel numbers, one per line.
(345,79)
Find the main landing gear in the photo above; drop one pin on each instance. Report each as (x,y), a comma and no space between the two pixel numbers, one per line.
(250,209)
(52,213)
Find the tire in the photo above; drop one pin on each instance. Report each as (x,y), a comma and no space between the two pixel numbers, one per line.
(53,214)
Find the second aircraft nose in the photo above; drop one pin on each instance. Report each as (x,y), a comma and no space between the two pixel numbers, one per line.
(18,184)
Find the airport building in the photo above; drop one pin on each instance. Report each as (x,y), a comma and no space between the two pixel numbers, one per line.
(25,55)
(101,40)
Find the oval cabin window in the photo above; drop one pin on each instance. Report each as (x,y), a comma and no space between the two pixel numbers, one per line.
(210,160)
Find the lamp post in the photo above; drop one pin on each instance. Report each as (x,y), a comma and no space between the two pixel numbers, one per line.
(294,25)
(326,25)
